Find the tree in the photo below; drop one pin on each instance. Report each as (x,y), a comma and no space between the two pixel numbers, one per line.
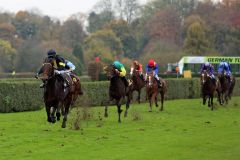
(125,34)
(8,55)
(25,26)
(78,53)
(98,21)
(104,44)
(72,33)
(196,42)
(165,25)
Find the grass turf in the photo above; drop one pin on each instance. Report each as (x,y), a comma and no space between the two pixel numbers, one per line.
(184,130)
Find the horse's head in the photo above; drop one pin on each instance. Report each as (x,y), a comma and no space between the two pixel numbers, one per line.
(204,76)
(150,79)
(47,69)
(110,71)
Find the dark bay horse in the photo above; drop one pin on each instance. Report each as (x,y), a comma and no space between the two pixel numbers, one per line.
(117,91)
(56,95)
(232,85)
(138,83)
(208,88)
(225,87)
(162,91)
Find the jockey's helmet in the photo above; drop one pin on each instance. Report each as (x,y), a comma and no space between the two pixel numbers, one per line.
(207,64)
(51,53)
(151,63)
(117,64)
(135,63)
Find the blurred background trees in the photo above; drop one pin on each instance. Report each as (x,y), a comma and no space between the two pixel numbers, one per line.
(122,29)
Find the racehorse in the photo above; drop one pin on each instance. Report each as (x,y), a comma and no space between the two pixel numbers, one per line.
(233,81)
(117,91)
(56,95)
(138,83)
(151,90)
(162,91)
(208,88)
(225,87)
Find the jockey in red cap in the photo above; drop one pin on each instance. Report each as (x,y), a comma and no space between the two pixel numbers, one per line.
(153,66)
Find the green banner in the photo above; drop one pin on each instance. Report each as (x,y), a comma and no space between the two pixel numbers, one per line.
(216,60)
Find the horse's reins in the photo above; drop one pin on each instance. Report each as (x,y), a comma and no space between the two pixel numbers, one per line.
(51,66)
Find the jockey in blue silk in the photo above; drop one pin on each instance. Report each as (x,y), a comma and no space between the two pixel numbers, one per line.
(208,67)
(225,66)
(120,69)
(153,66)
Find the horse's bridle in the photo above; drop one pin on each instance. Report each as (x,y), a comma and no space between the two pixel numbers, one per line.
(47,63)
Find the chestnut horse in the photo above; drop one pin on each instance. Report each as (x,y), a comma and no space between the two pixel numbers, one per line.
(151,90)
(56,95)
(138,83)
(208,88)
(117,91)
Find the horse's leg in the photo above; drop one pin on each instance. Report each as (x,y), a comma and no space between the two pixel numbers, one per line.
(162,100)
(65,114)
(156,101)
(212,102)
(127,106)
(209,101)
(139,93)
(119,110)
(52,114)
(58,114)
(204,99)
(106,111)
(47,107)
(219,97)
(226,97)
(150,103)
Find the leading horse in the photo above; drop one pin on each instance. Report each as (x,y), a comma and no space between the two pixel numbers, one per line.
(56,95)
(117,91)
(208,88)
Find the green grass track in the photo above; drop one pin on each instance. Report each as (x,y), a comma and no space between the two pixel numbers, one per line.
(185,130)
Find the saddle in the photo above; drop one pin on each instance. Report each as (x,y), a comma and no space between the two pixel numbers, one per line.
(71,80)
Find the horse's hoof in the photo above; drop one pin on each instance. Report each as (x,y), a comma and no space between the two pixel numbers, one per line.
(49,120)
(63,125)
(106,115)
(58,118)
(125,114)
(149,111)
(119,121)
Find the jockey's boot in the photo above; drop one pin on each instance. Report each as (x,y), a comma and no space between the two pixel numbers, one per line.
(66,83)
(42,85)
(159,83)
(229,79)
(214,80)
(125,81)
(141,76)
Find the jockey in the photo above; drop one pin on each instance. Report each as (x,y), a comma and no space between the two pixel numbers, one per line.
(208,67)
(137,66)
(119,67)
(225,66)
(61,66)
(153,66)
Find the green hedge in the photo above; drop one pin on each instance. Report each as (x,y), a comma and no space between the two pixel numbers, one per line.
(16,96)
